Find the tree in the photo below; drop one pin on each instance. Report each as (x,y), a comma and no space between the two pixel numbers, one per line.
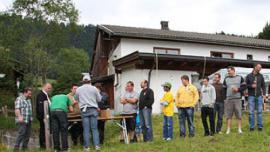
(47,10)
(265,34)
(69,65)
(52,12)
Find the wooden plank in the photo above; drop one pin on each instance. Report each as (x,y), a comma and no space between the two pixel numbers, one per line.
(47,126)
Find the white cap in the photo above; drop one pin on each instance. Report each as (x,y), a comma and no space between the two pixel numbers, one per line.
(86,77)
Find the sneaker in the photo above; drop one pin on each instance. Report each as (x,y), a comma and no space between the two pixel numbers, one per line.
(97,148)
(86,149)
(169,139)
(164,138)
(240,131)
(251,129)
(228,131)
(260,129)
(220,132)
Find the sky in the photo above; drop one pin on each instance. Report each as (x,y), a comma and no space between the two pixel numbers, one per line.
(242,17)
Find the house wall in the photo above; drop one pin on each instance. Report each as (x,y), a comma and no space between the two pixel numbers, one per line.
(158,77)
(131,45)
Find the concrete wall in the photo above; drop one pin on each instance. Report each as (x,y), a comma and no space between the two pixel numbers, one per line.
(158,77)
(131,45)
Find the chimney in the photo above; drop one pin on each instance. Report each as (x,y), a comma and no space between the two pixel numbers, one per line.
(164,25)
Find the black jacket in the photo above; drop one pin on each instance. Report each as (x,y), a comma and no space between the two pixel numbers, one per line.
(146,98)
(41,97)
(104,103)
(260,90)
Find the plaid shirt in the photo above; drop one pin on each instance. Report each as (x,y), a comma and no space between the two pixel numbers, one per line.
(25,107)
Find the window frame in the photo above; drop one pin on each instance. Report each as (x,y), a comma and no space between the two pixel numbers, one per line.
(228,53)
(167,49)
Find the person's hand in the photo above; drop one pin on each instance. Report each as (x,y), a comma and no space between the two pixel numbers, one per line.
(123,100)
(235,90)
(98,109)
(264,98)
(254,85)
(75,102)
(20,119)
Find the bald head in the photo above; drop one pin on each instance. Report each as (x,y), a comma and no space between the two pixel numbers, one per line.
(47,87)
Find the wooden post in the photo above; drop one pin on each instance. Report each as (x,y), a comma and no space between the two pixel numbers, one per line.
(47,124)
(6,111)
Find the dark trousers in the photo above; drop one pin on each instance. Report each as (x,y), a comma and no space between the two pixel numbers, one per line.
(59,126)
(76,132)
(219,111)
(208,112)
(101,128)
(42,134)
(23,136)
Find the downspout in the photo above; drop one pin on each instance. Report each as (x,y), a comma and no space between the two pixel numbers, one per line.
(155,64)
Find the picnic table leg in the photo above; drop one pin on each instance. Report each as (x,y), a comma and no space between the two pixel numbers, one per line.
(125,131)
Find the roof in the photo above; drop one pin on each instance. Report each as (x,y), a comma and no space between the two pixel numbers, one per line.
(184,62)
(171,35)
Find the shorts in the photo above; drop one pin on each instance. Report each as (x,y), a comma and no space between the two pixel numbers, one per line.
(130,122)
(233,106)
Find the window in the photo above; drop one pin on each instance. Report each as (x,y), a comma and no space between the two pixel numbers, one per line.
(249,57)
(221,54)
(269,58)
(172,51)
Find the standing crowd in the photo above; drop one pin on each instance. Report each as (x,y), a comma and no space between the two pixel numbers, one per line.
(216,99)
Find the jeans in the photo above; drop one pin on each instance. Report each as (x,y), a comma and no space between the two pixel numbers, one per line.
(168,127)
(146,124)
(208,112)
(219,111)
(253,103)
(183,115)
(59,125)
(90,122)
(23,136)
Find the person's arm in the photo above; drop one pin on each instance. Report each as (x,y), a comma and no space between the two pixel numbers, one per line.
(224,89)
(177,96)
(195,96)
(213,95)
(132,100)
(149,98)
(18,107)
(263,86)
(242,85)
(39,106)
(98,96)
(248,82)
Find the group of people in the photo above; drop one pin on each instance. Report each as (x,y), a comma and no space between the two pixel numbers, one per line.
(215,99)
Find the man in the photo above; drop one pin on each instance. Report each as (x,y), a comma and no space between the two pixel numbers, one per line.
(146,101)
(219,103)
(208,97)
(186,98)
(76,129)
(41,97)
(256,94)
(88,97)
(167,103)
(59,122)
(129,100)
(23,113)
(233,86)
(103,105)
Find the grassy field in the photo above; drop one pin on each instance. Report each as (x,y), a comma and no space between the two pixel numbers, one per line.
(247,142)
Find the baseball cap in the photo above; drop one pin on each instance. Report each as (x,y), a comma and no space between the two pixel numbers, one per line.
(86,78)
(167,84)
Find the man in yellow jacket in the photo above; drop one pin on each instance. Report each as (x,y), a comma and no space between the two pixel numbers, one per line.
(187,97)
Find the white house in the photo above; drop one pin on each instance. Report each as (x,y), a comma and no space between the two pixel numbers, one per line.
(159,55)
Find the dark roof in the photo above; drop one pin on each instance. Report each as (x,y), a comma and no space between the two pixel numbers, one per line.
(171,35)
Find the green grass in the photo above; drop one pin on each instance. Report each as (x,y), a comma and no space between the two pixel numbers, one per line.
(248,142)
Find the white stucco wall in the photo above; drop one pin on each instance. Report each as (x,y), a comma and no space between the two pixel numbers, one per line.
(131,45)
(157,79)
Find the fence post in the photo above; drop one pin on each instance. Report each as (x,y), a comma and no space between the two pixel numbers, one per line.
(6,111)
(47,124)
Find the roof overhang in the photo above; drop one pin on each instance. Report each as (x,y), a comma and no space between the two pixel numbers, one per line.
(202,65)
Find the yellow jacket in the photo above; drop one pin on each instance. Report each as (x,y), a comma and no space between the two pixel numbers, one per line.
(169,109)
(187,96)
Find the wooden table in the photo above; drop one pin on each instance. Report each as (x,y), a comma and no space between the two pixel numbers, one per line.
(76,117)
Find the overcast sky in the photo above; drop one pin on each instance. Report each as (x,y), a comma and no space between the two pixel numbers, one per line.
(242,17)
